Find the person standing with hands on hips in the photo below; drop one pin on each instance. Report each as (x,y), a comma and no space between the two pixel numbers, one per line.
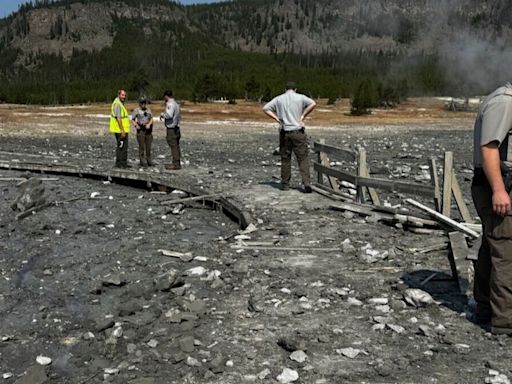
(120,127)
(142,119)
(290,110)
(172,118)
(491,190)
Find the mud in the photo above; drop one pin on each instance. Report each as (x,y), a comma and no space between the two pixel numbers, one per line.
(85,284)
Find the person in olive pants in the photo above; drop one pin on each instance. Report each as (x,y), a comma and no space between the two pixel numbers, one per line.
(290,110)
(142,119)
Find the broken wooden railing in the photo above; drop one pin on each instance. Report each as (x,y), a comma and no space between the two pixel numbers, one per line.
(367,186)
(138,179)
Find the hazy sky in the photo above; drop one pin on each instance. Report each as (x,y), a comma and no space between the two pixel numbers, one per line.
(9,6)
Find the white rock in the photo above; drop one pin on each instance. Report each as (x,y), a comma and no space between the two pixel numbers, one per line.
(94,194)
(299,356)
(417,297)
(197,271)
(264,374)
(383,308)
(378,301)
(250,229)
(111,371)
(352,301)
(230,363)
(7,375)
(191,362)
(349,352)
(117,332)
(43,360)
(152,343)
(88,336)
(378,327)
(498,378)
(286,290)
(288,376)
(396,328)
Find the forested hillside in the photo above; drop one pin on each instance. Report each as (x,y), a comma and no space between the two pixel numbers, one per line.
(83,50)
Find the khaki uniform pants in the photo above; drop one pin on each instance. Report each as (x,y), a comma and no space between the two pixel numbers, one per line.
(121,150)
(173,139)
(296,142)
(145,140)
(493,269)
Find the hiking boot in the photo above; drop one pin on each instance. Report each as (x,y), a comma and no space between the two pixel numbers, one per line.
(501,331)
(307,189)
(172,167)
(285,187)
(143,163)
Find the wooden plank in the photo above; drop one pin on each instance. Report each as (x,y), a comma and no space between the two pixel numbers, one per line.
(337,153)
(447,184)
(444,219)
(227,206)
(327,192)
(189,199)
(396,186)
(459,199)
(361,164)
(324,160)
(390,185)
(366,173)
(335,173)
(458,260)
(434,177)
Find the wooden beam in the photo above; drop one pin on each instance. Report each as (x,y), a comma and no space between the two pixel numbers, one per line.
(396,186)
(227,206)
(459,199)
(361,165)
(335,173)
(447,184)
(390,185)
(337,153)
(324,160)
(434,177)
(364,171)
(458,260)
(326,191)
(444,219)
(189,199)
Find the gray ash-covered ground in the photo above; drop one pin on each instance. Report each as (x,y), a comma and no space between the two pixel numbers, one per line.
(84,283)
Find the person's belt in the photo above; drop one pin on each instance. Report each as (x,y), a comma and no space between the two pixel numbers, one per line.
(301,130)
(175,128)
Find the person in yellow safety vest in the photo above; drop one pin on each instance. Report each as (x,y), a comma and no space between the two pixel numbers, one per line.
(120,127)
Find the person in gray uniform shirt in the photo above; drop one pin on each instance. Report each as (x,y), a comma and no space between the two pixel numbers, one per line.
(492,181)
(290,110)
(142,120)
(172,118)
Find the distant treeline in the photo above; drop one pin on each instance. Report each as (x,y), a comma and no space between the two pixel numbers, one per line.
(197,69)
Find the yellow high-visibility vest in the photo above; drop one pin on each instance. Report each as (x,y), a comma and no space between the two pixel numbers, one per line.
(125,118)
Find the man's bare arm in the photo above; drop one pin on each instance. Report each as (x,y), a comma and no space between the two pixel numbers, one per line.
(272,115)
(307,111)
(501,204)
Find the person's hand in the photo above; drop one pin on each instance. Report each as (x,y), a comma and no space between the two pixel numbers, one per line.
(501,202)
(148,126)
(123,135)
(161,116)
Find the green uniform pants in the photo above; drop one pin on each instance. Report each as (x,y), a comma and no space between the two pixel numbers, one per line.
(173,139)
(145,139)
(121,150)
(296,142)
(493,269)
